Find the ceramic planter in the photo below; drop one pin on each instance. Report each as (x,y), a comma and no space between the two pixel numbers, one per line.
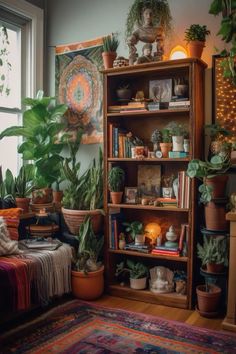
(108,59)
(116,197)
(74,218)
(208,301)
(195,49)
(165,148)
(23,203)
(178,143)
(138,284)
(139,239)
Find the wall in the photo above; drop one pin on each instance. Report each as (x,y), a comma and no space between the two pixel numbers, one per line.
(78,20)
(39,3)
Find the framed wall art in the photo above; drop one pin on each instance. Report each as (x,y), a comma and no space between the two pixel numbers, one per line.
(131,194)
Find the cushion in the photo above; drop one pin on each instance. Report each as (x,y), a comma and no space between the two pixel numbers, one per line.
(7,246)
(12,220)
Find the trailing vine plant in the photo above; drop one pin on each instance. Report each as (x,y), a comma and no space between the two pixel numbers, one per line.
(161,15)
(228,33)
(5,65)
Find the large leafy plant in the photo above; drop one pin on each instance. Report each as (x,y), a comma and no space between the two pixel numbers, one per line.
(134,228)
(136,270)
(228,33)
(42,123)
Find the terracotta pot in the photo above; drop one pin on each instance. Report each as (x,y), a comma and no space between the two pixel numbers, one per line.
(215,216)
(42,196)
(74,218)
(165,148)
(88,286)
(116,197)
(208,301)
(108,59)
(195,49)
(57,197)
(215,268)
(218,183)
(23,203)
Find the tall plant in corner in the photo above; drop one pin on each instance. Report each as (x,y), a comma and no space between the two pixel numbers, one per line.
(228,32)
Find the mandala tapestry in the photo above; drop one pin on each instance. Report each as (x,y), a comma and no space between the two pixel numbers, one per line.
(79,85)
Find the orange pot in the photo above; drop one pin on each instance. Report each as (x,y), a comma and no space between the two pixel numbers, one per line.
(23,203)
(215,216)
(195,49)
(165,148)
(218,184)
(108,59)
(87,286)
(116,197)
(57,197)
(208,301)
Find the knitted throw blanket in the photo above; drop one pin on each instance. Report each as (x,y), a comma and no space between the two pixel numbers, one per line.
(7,246)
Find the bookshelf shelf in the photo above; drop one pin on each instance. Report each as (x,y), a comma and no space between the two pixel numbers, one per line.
(169,299)
(149,255)
(160,112)
(118,151)
(148,207)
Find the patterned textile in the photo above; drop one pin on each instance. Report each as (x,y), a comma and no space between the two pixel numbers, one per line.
(34,277)
(79,327)
(12,219)
(7,246)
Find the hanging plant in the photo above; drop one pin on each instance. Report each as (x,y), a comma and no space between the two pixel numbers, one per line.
(228,33)
(5,65)
(160,10)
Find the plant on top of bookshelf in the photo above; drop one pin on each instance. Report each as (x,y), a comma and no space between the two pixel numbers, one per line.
(195,36)
(110,45)
(116,178)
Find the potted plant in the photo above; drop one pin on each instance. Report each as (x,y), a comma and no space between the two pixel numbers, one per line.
(178,132)
(24,185)
(84,192)
(110,45)
(208,299)
(166,142)
(217,136)
(7,190)
(213,253)
(195,36)
(137,273)
(41,125)
(156,138)
(136,230)
(213,175)
(227,30)
(116,177)
(87,275)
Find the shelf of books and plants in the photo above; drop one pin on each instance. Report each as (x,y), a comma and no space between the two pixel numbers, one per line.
(150,231)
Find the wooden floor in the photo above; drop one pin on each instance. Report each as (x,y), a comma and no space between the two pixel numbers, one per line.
(170,313)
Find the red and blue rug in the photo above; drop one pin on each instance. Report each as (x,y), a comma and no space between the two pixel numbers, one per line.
(79,327)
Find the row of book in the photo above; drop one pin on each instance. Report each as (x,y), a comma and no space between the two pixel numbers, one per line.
(183,190)
(148,106)
(119,143)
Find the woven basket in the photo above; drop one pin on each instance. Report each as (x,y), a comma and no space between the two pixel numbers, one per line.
(74,218)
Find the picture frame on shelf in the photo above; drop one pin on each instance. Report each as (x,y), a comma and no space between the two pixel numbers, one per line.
(149,181)
(131,195)
(160,90)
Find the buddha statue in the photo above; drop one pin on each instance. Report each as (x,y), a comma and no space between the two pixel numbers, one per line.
(147,33)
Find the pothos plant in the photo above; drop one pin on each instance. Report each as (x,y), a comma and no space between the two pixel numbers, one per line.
(228,32)
(5,65)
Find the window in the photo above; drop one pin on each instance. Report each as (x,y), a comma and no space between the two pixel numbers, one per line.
(21,69)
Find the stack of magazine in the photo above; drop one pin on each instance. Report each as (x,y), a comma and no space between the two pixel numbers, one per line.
(138,248)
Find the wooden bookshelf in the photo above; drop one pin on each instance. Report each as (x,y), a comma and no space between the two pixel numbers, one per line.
(142,124)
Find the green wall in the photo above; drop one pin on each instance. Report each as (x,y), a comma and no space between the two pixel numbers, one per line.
(78,20)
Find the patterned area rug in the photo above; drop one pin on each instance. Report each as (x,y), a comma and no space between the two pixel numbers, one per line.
(79,327)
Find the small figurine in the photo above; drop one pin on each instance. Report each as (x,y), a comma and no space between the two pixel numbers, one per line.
(171,237)
(161,280)
(147,54)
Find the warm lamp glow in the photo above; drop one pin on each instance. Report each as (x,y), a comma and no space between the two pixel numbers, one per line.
(153,230)
(178,52)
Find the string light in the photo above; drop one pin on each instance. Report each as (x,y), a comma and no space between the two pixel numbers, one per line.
(225,100)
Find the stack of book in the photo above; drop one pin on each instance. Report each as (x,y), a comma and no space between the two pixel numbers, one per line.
(138,248)
(166,251)
(179,103)
(127,108)
(156,106)
(168,201)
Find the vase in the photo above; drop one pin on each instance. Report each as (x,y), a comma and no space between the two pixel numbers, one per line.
(178,143)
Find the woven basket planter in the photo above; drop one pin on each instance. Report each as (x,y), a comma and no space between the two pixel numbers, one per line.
(74,218)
